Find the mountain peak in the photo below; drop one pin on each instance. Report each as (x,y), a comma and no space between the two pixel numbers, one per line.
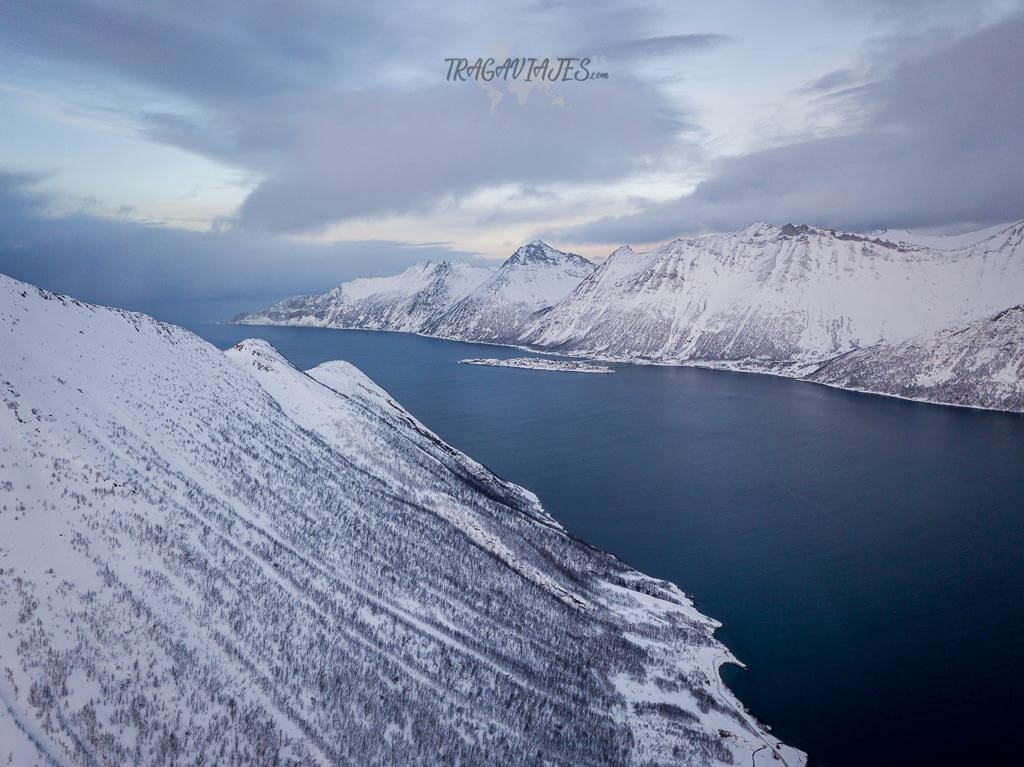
(262,353)
(539,252)
(534,250)
(793,230)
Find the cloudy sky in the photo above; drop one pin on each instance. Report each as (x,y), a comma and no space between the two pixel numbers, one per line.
(260,147)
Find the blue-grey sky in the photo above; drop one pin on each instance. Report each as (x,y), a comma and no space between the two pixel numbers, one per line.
(254,147)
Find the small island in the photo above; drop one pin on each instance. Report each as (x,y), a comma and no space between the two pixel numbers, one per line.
(539,363)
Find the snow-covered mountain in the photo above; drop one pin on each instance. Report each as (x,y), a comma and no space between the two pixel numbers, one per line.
(533,278)
(937,241)
(779,299)
(404,301)
(783,299)
(447,299)
(980,364)
(212,558)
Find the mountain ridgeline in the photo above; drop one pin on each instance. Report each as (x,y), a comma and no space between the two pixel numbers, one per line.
(212,557)
(501,308)
(889,312)
(444,298)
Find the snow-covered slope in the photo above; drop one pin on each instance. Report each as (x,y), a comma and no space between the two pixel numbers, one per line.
(211,558)
(402,301)
(980,364)
(937,241)
(783,299)
(533,278)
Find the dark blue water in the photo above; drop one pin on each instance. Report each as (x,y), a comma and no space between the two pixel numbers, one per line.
(865,555)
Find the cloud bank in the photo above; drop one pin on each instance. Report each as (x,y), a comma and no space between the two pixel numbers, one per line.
(122,263)
(941,144)
(338,112)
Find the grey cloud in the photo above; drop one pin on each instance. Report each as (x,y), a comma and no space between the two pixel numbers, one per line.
(150,44)
(326,101)
(231,52)
(124,263)
(180,131)
(393,151)
(903,12)
(666,45)
(839,78)
(941,146)
(18,198)
(215,52)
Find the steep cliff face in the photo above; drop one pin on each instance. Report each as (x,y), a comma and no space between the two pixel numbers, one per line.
(783,299)
(217,558)
(980,364)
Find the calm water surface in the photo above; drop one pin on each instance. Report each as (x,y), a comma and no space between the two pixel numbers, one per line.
(865,555)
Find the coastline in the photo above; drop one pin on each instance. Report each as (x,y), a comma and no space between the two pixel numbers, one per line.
(543,364)
(723,366)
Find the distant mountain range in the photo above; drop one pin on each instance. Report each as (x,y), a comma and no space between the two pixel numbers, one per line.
(216,558)
(798,301)
(448,299)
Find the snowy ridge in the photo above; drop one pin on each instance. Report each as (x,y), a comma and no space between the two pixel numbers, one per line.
(937,241)
(448,299)
(786,300)
(403,301)
(217,558)
(779,298)
(977,365)
(533,278)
